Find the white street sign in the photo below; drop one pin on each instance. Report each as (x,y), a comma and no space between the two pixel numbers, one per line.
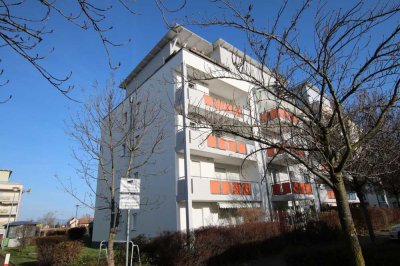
(129,201)
(129,185)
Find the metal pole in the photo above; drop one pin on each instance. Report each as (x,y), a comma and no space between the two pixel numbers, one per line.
(186,155)
(127,239)
(76,211)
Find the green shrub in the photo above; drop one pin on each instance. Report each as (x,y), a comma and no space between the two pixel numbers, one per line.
(76,233)
(57,250)
(57,232)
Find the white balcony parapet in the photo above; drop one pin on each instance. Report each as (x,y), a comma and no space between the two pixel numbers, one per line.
(216,190)
(211,145)
(201,102)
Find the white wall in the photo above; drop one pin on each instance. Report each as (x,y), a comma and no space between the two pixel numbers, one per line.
(158,182)
(150,68)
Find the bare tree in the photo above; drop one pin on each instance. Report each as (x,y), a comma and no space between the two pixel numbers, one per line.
(49,219)
(23,32)
(116,138)
(322,91)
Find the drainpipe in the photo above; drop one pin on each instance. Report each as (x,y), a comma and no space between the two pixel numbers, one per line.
(186,153)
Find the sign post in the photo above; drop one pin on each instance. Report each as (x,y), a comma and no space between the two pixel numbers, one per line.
(129,199)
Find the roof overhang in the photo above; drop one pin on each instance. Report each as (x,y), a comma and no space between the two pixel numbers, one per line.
(183,37)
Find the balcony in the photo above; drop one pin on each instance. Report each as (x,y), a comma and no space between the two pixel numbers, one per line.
(278,119)
(281,157)
(8,211)
(213,189)
(222,148)
(292,191)
(204,104)
(330,199)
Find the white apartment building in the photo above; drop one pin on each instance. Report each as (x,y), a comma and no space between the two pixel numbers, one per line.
(215,175)
(10,199)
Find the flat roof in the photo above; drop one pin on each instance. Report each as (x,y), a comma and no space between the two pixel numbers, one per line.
(185,37)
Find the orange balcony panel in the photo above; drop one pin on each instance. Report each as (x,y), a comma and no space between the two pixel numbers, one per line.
(246,188)
(330,194)
(308,188)
(286,188)
(303,188)
(276,189)
(271,152)
(228,107)
(295,120)
(272,114)
(236,188)
(278,113)
(219,105)
(283,114)
(232,145)
(300,153)
(296,188)
(215,187)
(226,187)
(237,111)
(264,117)
(241,147)
(221,144)
(212,141)
(208,100)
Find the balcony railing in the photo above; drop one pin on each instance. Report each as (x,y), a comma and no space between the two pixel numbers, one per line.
(214,189)
(279,114)
(271,152)
(199,101)
(292,188)
(223,187)
(226,145)
(223,106)
(204,144)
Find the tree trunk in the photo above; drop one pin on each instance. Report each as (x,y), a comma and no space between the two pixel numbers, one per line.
(346,221)
(114,221)
(367,217)
(110,247)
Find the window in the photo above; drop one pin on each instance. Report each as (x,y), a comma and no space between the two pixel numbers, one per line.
(220,173)
(291,176)
(306,177)
(275,176)
(124,118)
(123,152)
(351,196)
(191,85)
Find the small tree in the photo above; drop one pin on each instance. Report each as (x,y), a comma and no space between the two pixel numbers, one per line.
(108,137)
(49,219)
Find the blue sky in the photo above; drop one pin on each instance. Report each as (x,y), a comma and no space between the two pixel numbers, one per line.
(33,142)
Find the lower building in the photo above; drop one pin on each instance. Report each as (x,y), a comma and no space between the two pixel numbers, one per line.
(10,197)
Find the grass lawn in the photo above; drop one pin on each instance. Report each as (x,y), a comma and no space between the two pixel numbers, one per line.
(28,256)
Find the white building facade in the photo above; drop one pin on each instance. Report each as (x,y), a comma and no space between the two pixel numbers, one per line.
(216,176)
